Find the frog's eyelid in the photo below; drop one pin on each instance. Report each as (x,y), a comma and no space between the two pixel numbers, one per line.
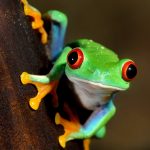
(73,45)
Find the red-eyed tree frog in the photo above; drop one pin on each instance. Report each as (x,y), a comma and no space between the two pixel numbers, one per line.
(96,73)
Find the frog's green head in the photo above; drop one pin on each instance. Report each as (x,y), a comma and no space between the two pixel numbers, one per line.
(93,63)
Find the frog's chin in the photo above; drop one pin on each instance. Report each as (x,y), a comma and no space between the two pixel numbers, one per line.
(92,95)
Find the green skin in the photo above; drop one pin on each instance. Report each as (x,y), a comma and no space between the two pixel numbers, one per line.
(100,65)
(101,69)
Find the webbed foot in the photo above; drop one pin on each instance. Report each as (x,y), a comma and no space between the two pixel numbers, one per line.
(37,22)
(43,90)
(69,127)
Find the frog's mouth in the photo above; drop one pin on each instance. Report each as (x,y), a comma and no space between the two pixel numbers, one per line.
(92,94)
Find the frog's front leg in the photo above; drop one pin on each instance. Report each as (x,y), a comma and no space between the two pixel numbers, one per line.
(46,83)
(93,125)
(43,85)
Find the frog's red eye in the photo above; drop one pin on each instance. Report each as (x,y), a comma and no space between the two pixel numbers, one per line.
(75,58)
(129,71)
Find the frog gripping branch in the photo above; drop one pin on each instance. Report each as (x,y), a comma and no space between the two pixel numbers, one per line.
(96,74)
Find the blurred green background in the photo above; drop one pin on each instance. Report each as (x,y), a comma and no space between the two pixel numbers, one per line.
(123,26)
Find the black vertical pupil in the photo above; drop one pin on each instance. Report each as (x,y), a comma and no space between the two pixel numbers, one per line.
(131,71)
(72,58)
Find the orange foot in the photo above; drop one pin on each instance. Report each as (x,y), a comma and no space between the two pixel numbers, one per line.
(86,144)
(37,22)
(69,127)
(43,90)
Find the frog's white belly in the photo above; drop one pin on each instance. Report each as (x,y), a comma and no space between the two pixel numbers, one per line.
(91,94)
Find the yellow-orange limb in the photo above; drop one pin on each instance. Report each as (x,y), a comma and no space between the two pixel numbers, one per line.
(37,20)
(86,144)
(43,90)
(69,127)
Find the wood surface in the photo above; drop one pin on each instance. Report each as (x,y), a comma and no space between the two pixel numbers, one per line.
(21,50)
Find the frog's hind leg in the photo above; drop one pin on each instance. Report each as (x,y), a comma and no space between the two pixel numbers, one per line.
(101,132)
(93,126)
(86,144)
(70,126)
(42,88)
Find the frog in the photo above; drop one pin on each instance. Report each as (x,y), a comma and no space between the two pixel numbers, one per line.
(96,73)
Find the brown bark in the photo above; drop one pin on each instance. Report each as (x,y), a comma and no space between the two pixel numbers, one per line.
(20,50)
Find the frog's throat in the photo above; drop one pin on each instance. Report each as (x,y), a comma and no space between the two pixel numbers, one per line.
(92,95)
